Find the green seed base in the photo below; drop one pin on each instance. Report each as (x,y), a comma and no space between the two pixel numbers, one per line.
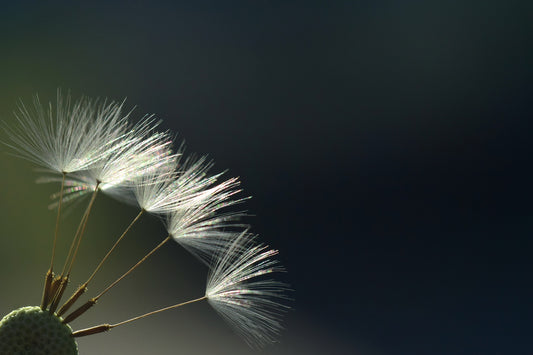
(32,331)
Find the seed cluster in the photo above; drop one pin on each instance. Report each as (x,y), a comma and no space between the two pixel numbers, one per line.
(30,330)
(90,147)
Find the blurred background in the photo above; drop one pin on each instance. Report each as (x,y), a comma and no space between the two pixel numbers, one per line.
(386,144)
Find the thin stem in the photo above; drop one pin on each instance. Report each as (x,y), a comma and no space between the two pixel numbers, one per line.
(56,233)
(106,327)
(56,298)
(114,246)
(80,225)
(85,307)
(73,243)
(83,228)
(133,267)
(49,278)
(83,288)
(157,311)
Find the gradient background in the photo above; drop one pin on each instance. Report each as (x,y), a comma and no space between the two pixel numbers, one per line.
(386,144)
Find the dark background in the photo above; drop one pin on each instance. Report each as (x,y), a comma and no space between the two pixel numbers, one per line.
(386,145)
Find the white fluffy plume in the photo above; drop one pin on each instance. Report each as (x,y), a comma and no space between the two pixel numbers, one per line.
(140,154)
(239,289)
(68,137)
(197,224)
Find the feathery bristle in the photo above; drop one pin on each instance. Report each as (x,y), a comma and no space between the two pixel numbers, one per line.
(199,227)
(237,288)
(69,137)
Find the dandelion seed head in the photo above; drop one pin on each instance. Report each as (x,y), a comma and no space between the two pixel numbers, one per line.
(89,145)
(30,330)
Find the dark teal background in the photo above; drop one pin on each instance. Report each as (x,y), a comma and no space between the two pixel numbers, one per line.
(386,144)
